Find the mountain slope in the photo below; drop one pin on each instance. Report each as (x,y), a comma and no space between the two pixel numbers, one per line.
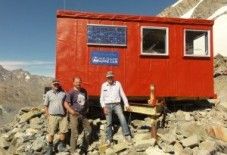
(208,9)
(18,88)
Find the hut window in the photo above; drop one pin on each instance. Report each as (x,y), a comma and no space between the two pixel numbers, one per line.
(196,43)
(154,41)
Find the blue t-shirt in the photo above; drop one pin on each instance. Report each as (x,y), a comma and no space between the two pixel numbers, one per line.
(78,100)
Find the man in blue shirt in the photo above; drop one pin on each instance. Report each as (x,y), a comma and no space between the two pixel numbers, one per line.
(76,103)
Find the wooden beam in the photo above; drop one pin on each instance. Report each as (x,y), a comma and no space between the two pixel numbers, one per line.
(141,109)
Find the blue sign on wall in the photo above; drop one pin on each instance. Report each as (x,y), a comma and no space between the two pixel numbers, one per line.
(104,58)
(106,35)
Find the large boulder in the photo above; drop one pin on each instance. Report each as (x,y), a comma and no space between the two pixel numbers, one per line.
(190,141)
(178,148)
(166,147)
(155,151)
(217,132)
(38,144)
(3,143)
(170,137)
(144,144)
(187,129)
(31,114)
(220,65)
(209,146)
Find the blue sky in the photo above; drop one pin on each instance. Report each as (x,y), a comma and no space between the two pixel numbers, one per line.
(27,27)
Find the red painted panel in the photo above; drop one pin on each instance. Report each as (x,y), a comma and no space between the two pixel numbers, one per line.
(174,75)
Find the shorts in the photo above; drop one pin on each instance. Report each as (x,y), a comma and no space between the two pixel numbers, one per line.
(57,123)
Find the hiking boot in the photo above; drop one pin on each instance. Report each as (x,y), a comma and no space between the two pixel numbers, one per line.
(128,139)
(50,150)
(108,143)
(82,152)
(62,147)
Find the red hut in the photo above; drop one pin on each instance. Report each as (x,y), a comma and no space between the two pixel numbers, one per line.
(174,54)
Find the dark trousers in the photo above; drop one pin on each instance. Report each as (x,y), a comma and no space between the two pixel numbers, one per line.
(75,122)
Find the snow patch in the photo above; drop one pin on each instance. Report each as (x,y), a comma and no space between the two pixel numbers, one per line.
(222,10)
(220,35)
(220,31)
(27,77)
(178,2)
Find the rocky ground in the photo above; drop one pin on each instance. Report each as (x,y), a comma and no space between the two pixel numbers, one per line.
(220,79)
(195,132)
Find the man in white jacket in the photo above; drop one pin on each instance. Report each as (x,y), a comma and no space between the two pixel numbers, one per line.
(110,99)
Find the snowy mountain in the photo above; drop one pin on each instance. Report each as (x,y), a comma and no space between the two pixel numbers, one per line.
(209,9)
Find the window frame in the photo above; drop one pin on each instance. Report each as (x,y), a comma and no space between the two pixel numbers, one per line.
(197,30)
(166,40)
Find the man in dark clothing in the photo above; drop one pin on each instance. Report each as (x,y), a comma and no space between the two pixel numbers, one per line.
(76,103)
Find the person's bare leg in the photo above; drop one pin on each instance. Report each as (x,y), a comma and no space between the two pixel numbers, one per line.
(62,136)
(50,138)
(154,132)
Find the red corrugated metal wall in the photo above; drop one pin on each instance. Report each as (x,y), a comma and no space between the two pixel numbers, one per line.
(173,75)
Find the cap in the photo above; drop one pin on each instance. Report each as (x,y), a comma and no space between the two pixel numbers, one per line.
(109,74)
(55,81)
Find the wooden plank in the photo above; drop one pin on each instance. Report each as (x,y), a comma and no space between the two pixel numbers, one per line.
(147,110)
